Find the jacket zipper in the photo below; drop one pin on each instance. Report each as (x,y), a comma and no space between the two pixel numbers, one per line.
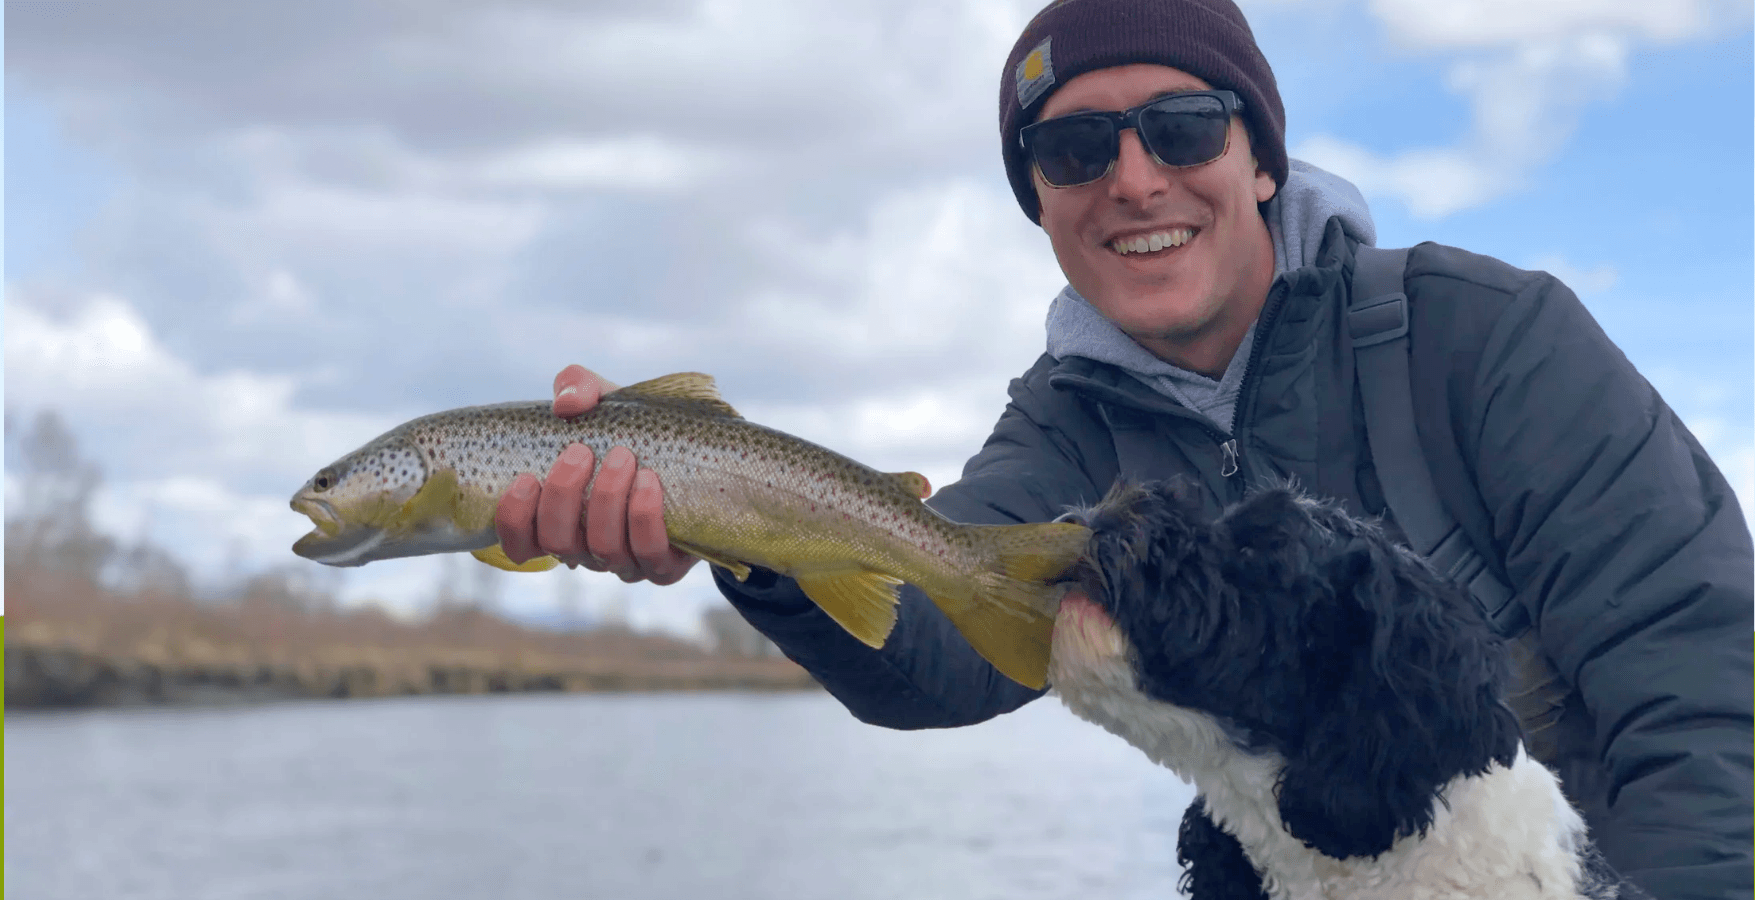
(1232,448)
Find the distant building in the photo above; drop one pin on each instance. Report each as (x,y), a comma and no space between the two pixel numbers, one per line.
(728,633)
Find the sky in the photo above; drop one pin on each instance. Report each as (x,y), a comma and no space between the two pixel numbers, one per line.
(241,239)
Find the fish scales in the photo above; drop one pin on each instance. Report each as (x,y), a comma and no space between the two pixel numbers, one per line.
(736,493)
(728,483)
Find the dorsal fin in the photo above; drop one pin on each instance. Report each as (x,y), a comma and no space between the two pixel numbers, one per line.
(688,387)
(914,483)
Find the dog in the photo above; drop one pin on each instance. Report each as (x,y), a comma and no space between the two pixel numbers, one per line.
(1339,706)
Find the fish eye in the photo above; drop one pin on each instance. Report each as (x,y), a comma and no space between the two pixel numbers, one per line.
(324,481)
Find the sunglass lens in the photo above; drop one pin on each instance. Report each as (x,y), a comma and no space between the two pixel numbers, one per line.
(1185,131)
(1073,150)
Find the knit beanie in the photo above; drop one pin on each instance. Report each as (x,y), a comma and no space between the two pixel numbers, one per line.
(1208,39)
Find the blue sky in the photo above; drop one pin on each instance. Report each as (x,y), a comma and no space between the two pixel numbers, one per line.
(243,239)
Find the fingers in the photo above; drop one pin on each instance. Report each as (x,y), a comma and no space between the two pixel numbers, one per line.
(624,523)
(515,519)
(606,516)
(558,529)
(577,390)
(614,524)
(650,543)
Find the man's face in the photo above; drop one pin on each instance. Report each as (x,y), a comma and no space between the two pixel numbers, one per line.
(1189,304)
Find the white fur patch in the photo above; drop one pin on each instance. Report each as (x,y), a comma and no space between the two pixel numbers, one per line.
(1507,834)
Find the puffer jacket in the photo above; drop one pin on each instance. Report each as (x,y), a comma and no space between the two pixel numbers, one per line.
(1623,540)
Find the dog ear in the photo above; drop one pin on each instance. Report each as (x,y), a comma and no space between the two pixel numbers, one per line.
(1416,702)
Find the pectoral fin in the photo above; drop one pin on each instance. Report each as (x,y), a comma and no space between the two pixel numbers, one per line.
(738,570)
(436,501)
(864,603)
(497,558)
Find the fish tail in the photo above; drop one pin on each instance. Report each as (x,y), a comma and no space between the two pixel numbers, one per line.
(1011,621)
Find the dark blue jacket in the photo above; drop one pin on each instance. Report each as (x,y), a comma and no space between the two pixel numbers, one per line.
(1622,538)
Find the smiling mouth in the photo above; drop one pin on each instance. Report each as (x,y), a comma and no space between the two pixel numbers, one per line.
(1156,241)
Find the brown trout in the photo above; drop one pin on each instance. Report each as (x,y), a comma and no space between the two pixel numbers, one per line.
(736,494)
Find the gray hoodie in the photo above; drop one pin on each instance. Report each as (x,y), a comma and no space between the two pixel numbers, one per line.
(1295,218)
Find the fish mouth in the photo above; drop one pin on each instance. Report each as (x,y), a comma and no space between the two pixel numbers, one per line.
(331,542)
(343,548)
(321,513)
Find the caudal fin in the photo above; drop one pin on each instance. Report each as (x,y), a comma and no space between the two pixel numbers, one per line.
(1011,621)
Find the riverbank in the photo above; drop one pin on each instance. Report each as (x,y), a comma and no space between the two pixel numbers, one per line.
(70,644)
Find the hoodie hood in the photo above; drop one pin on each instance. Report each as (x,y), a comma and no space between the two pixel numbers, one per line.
(1296,218)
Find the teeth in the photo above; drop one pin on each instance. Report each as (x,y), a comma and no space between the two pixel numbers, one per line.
(1153,242)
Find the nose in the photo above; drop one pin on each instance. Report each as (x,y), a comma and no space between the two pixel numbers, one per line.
(1137,175)
(1075,517)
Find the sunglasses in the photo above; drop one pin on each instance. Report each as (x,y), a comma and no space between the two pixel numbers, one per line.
(1180,130)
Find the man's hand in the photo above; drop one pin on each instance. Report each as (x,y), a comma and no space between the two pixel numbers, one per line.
(617,525)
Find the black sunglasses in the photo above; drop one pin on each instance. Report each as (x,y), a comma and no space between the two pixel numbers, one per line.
(1180,130)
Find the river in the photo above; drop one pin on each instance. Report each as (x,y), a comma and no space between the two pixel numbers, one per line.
(630,796)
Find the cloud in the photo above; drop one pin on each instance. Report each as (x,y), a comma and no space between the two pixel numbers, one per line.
(1715,410)
(630,163)
(102,367)
(947,269)
(1495,23)
(871,77)
(1529,71)
(1731,447)
(1586,283)
(203,463)
(333,217)
(408,195)
(206,460)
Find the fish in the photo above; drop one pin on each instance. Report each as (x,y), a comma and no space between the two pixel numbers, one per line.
(737,494)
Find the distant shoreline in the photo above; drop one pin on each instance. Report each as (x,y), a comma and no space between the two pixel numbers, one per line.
(71,645)
(42,678)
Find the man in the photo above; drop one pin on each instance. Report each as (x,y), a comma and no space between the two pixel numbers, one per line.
(1202,334)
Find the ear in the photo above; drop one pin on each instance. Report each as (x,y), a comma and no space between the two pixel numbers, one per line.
(1264,183)
(1266,521)
(1417,703)
(1213,862)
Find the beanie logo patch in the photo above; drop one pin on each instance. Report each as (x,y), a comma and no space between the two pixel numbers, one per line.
(1035,74)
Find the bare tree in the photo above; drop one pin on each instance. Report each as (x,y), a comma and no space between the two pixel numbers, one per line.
(51,525)
(146,568)
(292,586)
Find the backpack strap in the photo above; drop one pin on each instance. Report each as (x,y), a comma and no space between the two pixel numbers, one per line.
(1377,321)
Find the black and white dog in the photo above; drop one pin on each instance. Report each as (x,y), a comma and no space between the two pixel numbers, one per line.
(1338,707)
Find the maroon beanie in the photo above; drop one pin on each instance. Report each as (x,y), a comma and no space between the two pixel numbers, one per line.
(1208,39)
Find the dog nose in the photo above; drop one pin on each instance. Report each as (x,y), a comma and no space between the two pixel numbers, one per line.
(1074,517)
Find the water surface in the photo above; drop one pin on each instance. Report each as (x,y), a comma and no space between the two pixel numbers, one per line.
(641,797)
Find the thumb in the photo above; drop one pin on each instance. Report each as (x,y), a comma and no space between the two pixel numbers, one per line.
(577,390)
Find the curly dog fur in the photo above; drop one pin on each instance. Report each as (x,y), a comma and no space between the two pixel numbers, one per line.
(1338,706)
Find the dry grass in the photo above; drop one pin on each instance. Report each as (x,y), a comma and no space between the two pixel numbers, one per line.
(71,643)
